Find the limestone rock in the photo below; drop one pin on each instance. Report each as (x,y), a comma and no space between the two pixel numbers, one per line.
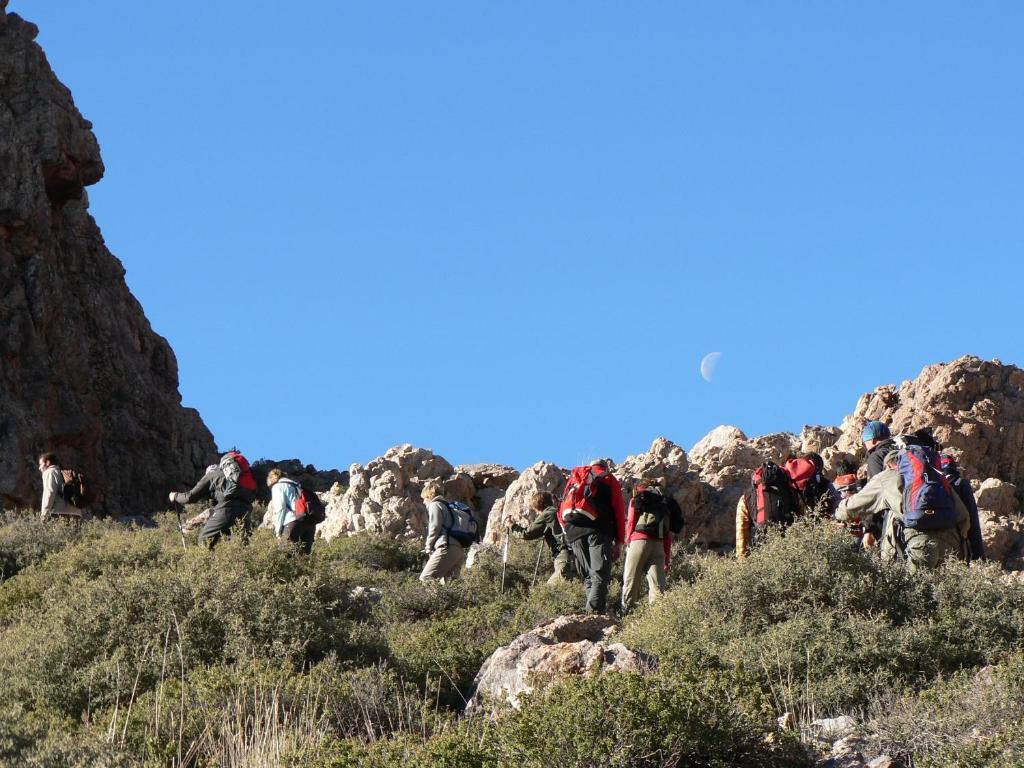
(82,372)
(834,727)
(997,497)
(667,462)
(498,476)
(726,458)
(511,509)
(558,648)
(975,408)
(384,495)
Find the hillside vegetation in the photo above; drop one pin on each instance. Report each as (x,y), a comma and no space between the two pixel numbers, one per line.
(119,648)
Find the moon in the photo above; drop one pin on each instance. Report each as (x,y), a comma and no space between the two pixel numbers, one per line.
(708,365)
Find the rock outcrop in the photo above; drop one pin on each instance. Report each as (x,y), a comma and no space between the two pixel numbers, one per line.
(558,648)
(82,373)
(974,407)
(512,509)
(384,495)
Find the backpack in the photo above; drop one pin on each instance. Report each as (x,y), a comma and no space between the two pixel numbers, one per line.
(77,491)
(927,496)
(464,528)
(653,515)
(308,506)
(238,476)
(810,483)
(578,497)
(773,499)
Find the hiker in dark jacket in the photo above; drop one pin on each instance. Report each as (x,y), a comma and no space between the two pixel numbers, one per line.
(877,442)
(546,526)
(233,503)
(595,534)
(963,489)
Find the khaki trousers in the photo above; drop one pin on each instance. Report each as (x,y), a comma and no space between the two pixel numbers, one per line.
(643,558)
(445,562)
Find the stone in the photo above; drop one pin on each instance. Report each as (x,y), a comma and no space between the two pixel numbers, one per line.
(997,498)
(883,761)
(974,407)
(384,495)
(511,509)
(725,459)
(558,648)
(82,372)
(834,727)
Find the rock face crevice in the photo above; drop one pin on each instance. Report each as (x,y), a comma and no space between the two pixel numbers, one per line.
(82,372)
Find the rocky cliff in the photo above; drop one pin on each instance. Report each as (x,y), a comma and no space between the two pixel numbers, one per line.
(81,370)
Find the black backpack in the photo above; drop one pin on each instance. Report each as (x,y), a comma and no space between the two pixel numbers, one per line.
(652,512)
(77,491)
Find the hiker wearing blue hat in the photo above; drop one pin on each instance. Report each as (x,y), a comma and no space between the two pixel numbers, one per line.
(877,442)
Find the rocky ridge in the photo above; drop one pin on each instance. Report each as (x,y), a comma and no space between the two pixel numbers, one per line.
(82,372)
(708,481)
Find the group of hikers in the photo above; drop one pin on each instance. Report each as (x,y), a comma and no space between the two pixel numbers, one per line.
(908,501)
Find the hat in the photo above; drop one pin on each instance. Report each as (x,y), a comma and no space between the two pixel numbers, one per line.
(875,430)
(948,464)
(846,482)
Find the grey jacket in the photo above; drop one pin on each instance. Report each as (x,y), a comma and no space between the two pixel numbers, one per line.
(213,485)
(439,520)
(53,495)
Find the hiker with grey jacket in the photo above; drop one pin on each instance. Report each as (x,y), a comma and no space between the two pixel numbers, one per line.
(54,505)
(451,528)
(232,487)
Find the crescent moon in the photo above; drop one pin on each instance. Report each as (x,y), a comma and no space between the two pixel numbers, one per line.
(708,365)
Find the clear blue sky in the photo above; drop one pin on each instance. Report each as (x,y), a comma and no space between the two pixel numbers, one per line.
(510,231)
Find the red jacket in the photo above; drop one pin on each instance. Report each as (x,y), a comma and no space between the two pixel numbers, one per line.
(610,521)
(633,535)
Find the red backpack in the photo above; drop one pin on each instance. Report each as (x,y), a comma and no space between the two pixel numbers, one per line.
(810,483)
(578,497)
(236,471)
(309,507)
(773,497)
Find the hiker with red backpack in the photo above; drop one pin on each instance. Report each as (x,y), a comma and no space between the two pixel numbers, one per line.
(653,518)
(593,515)
(294,511)
(232,487)
(772,501)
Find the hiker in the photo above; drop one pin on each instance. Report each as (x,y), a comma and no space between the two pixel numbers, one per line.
(951,470)
(772,500)
(545,525)
(653,518)
(883,494)
(817,495)
(846,486)
(451,528)
(877,442)
(54,505)
(593,515)
(231,485)
(284,497)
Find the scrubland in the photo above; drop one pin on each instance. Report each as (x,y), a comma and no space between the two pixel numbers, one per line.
(118,648)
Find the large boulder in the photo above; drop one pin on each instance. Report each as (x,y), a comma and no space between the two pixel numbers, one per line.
(490,481)
(725,459)
(558,648)
(974,407)
(82,372)
(1001,527)
(512,509)
(384,495)
(667,462)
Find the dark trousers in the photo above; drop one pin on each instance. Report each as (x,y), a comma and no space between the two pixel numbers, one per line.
(593,553)
(221,521)
(301,532)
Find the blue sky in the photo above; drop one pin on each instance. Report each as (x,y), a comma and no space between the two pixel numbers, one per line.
(511,231)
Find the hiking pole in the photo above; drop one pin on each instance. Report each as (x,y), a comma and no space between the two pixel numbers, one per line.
(504,562)
(181,529)
(536,568)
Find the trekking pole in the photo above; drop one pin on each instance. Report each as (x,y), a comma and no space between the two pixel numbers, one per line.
(504,562)
(536,568)
(181,529)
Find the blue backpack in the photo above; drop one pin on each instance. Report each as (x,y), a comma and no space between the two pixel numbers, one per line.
(927,497)
(464,528)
